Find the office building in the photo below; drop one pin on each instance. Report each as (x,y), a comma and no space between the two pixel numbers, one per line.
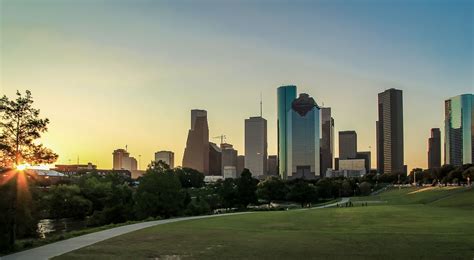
(118,156)
(434,149)
(215,159)
(459,130)
(229,157)
(366,155)
(129,163)
(240,164)
(347,145)
(196,153)
(123,161)
(272,165)
(389,130)
(344,173)
(298,134)
(166,157)
(327,140)
(352,164)
(256,145)
(229,172)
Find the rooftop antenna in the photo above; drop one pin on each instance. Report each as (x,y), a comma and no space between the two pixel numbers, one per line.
(78,159)
(260,104)
(126,147)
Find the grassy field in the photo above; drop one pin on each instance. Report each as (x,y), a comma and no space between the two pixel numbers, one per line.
(413,224)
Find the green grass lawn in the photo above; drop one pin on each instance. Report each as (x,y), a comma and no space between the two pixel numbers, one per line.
(431,224)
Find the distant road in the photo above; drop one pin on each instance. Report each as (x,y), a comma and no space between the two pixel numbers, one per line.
(61,247)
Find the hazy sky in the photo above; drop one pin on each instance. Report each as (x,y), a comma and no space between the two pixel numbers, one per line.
(111,73)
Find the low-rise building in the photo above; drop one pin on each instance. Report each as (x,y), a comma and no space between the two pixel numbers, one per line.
(344,173)
(166,157)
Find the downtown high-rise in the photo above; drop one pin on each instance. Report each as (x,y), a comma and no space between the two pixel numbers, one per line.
(298,134)
(390,154)
(459,129)
(256,145)
(196,153)
(327,140)
(434,149)
(347,145)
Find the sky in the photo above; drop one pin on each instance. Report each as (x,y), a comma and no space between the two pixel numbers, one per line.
(114,73)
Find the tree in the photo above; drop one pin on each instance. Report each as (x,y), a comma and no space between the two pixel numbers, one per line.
(190,178)
(468,174)
(303,192)
(455,176)
(325,188)
(20,126)
(246,189)
(159,193)
(19,212)
(272,189)
(66,201)
(415,175)
(441,174)
(347,189)
(227,191)
(365,188)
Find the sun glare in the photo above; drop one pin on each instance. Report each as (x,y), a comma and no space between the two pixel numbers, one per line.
(22,167)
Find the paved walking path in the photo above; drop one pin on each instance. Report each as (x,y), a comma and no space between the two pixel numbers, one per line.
(342,201)
(68,245)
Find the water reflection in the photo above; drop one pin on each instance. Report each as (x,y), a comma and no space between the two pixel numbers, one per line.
(49,227)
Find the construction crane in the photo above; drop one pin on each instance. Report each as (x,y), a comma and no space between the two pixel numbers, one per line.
(222,137)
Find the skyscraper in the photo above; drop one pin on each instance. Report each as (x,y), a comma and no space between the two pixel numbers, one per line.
(256,145)
(459,130)
(272,165)
(366,155)
(347,145)
(390,132)
(240,164)
(434,149)
(229,156)
(327,140)
(285,96)
(215,159)
(298,135)
(166,157)
(196,153)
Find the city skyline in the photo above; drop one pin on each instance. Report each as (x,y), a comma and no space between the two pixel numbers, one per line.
(120,100)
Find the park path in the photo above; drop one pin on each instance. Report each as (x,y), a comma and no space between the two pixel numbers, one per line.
(68,245)
(61,247)
(342,201)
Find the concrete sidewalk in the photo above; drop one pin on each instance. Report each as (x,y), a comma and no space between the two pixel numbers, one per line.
(68,245)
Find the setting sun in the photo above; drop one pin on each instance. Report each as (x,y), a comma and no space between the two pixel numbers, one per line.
(22,167)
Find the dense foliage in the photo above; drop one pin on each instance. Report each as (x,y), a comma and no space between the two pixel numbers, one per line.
(20,126)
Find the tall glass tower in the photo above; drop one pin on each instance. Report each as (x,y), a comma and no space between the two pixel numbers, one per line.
(298,135)
(459,129)
(285,96)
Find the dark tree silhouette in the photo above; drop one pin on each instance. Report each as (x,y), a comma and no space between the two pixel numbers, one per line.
(20,126)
